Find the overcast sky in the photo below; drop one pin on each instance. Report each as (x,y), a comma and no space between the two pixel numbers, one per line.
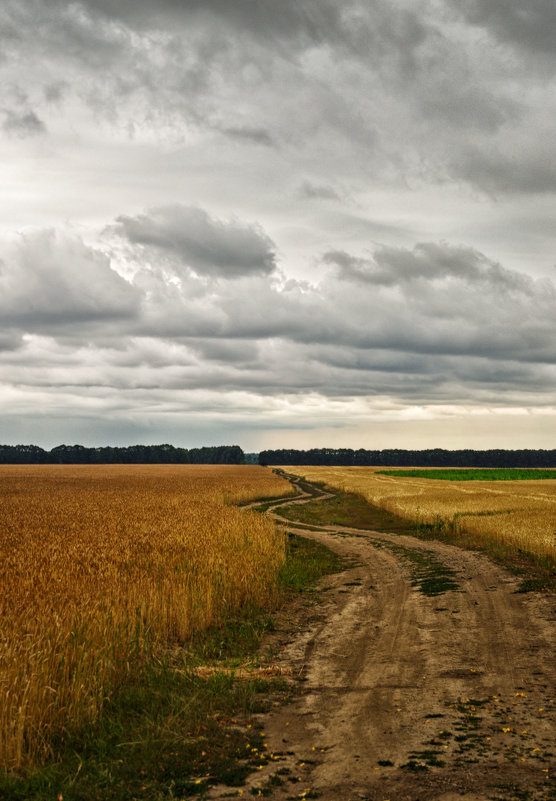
(278,224)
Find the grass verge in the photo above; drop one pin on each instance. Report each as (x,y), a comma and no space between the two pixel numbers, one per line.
(347,509)
(185,722)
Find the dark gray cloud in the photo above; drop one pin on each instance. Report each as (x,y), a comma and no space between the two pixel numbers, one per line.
(497,171)
(289,25)
(311,190)
(10,340)
(257,136)
(432,262)
(436,299)
(18,119)
(315,19)
(528,25)
(434,326)
(229,351)
(22,124)
(54,92)
(227,249)
(378,91)
(434,305)
(467,104)
(47,280)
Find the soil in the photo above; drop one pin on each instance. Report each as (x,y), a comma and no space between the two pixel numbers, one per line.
(412,689)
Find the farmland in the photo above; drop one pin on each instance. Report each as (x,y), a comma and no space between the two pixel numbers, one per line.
(101,567)
(474,474)
(510,516)
(415,655)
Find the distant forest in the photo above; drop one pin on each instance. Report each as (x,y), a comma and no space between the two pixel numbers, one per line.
(233,454)
(436,457)
(134,454)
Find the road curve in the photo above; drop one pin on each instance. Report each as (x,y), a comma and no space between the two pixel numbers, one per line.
(414,697)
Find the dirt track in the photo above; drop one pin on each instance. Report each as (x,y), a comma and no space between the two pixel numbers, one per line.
(409,696)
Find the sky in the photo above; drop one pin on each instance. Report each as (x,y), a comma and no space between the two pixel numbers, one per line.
(289,224)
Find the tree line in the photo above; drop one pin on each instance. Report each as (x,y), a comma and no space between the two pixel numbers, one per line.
(435,457)
(133,454)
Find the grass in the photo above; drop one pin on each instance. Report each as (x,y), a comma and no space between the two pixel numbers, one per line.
(306,563)
(474,474)
(346,509)
(166,732)
(171,732)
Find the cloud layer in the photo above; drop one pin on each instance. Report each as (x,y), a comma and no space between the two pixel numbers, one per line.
(275,214)
(436,324)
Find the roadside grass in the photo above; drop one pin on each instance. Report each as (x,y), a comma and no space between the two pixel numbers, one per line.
(354,511)
(347,509)
(474,474)
(173,730)
(307,562)
(165,734)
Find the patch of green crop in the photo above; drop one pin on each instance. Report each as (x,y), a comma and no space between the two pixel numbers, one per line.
(475,474)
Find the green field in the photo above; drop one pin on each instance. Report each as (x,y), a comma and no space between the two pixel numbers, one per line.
(474,474)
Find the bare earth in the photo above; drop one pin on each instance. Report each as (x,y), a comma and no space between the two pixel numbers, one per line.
(412,697)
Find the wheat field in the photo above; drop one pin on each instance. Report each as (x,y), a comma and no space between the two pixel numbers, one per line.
(519,515)
(101,566)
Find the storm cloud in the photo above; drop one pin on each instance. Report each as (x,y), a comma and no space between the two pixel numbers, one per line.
(25,124)
(530,26)
(370,325)
(208,246)
(51,280)
(277,216)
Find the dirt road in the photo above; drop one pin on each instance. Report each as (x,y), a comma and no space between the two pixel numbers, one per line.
(409,695)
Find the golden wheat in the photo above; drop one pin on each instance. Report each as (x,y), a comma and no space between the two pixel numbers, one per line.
(99,565)
(515,514)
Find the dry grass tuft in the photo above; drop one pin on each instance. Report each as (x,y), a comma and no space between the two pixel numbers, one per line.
(245,672)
